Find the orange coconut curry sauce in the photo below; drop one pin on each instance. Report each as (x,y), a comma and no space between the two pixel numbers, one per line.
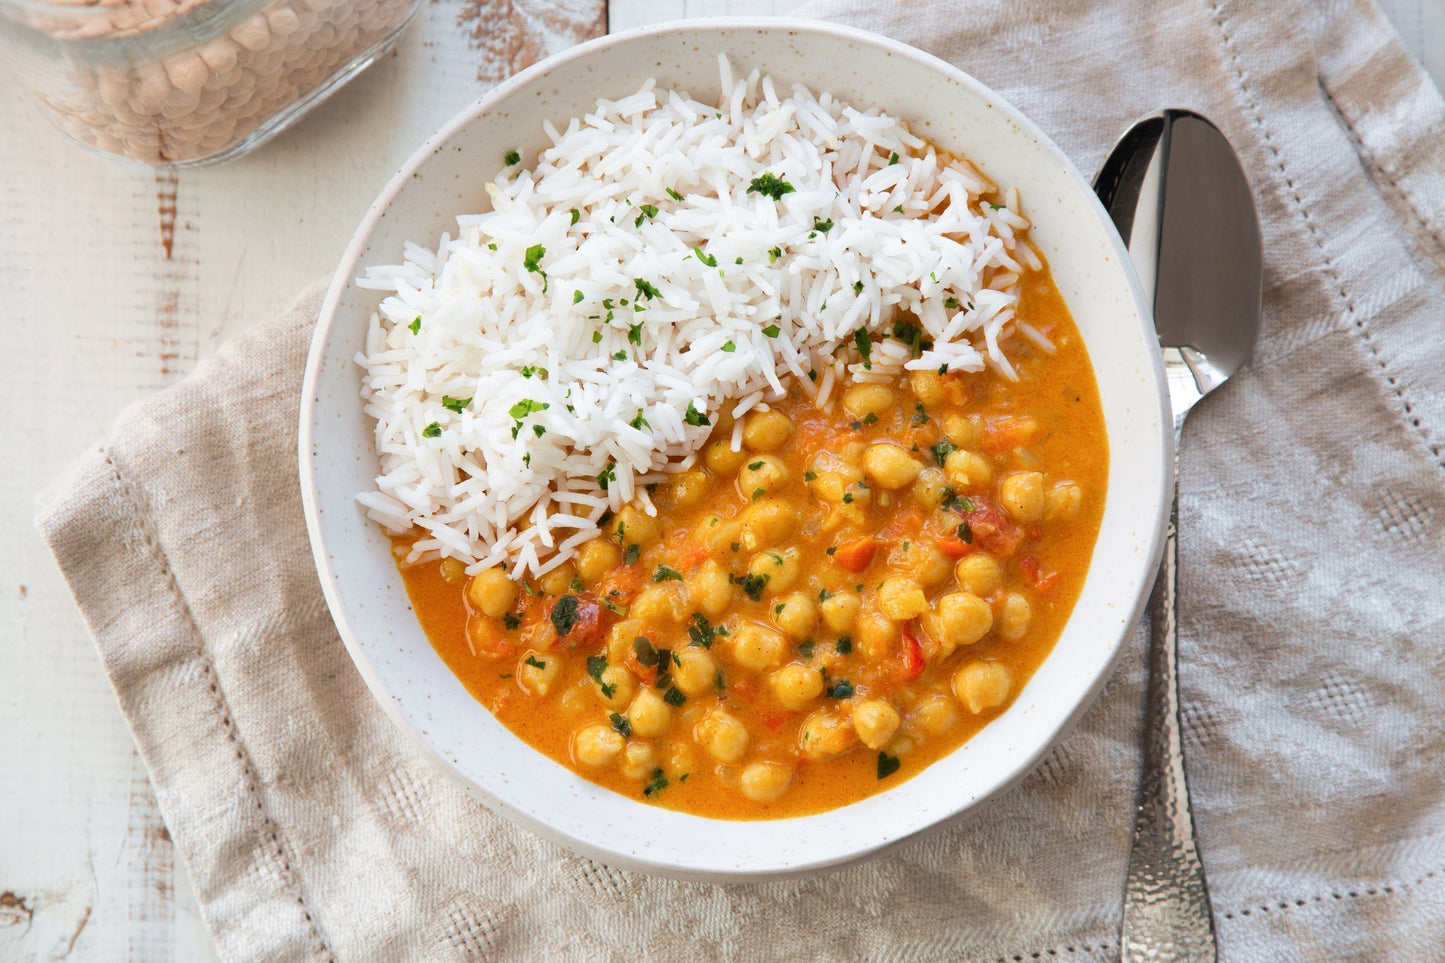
(814,618)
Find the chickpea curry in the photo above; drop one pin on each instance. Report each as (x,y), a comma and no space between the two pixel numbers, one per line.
(817,616)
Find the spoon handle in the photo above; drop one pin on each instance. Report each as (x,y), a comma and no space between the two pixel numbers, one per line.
(1166,902)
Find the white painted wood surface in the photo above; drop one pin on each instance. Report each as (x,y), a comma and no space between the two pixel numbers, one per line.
(100,318)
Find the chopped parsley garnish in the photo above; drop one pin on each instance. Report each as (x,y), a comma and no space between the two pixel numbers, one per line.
(738,261)
(596,665)
(774,254)
(694,417)
(596,337)
(870,418)
(824,595)
(754,466)
(843,646)
(673,696)
(433,430)
(941,451)
(919,415)
(532,261)
(893,158)
(997,207)
(759,493)
(620,356)
(674,194)
(898,209)
(953,502)
(707,259)
(857,287)
(648,210)
(822,227)
(415,325)
(772,331)
(806,649)
(951,303)
(752,585)
(645,289)
(535,662)
(717,682)
(576,297)
(770,185)
(620,723)
(512,158)
(607,475)
(730,347)
(810,475)
(564,614)
(638,421)
(702,632)
(511,620)
(865,347)
(842,689)
(887,765)
(965,532)
(455,404)
(576,215)
(664,574)
(630,556)
(539,431)
(657,784)
(645,651)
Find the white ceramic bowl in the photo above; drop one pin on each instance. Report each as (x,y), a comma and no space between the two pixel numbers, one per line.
(445,177)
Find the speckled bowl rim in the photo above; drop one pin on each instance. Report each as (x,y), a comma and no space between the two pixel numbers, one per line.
(1152,490)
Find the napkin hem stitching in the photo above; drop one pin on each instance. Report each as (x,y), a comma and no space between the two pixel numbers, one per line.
(152,542)
(1331,269)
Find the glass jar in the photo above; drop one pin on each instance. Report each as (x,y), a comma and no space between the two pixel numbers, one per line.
(176,83)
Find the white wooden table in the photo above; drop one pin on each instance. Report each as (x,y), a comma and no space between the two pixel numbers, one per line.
(102,316)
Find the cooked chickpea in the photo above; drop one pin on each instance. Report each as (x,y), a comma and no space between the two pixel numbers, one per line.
(928,488)
(1022,496)
(633,526)
(964,431)
(862,400)
(710,589)
(596,558)
(638,760)
(718,533)
(722,735)
(649,715)
(901,598)
(756,647)
(890,466)
(620,636)
(662,602)
(781,568)
(721,459)
(454,571)
(831,486)
(689,487)
(935,715)
(961,618)
(537,672)
(796,614)
(766,430)
(619,682)
(767,521)
(982,685)
(597,745)
(979,574)
(491,592)
(696,671)
(928,566)
(840,611)
(1063,501)
(966,470)
(875,721)
(928,386)
(824,734)
(764,473)
(874,634)
(764,781)
(559,580)
(1013,620)
(796,685)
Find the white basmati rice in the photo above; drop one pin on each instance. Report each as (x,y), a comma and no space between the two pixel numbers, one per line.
(571,345)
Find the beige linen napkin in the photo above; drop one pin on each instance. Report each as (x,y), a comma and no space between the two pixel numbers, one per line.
(1313,620)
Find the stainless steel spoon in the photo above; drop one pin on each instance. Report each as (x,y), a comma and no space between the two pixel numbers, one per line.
(1180,200)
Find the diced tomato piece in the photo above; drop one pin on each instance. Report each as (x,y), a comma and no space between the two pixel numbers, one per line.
(856,555)
(586,625)
(485,638)
(691,554)
(1034,572)
(622,583)
(993,532)
(912,657)
(1006,434)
